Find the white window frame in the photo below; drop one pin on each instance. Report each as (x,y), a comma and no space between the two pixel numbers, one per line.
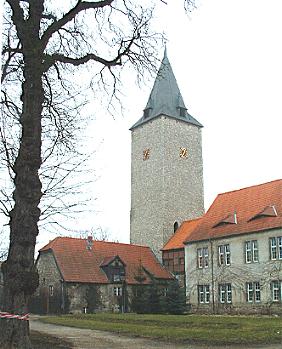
(203,257)
(222,294)
(276,248)
(276,290)
(227,254)
(251,251)
(224,255)
(248,252)
(253,292)
(255,251)
(206,257)
(204,294)
(225,293)
(200,258)
(257,293)
(279,247)
(117,290)
(250,292)
(229,293)
(207,294)
(221,254)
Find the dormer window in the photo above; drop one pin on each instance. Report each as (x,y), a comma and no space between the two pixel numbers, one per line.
(182,112)
(117,278)
(147,113)
(114,269)
(230,219)
(268,211)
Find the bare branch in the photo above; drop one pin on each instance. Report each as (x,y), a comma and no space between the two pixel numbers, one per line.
(69,16)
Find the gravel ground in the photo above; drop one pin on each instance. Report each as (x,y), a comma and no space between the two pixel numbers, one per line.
(86,339)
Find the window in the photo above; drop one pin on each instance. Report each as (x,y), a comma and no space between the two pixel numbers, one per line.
(224,255)
(204,294)
(51,290)
(181,260)
(276,248)
(182,112)
(276,290)
(257,292)
(174,261)
(225,293)
(117,291)
(117,278)
(203,257)
(253,292)
(147,113)
(175,226)
(251,251)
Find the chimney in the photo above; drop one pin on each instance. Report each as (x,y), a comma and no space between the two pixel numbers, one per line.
(89,243)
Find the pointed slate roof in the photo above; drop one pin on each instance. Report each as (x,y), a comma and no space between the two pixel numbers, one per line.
(165,98)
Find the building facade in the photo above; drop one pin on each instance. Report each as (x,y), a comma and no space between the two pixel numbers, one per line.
(173,254)
(80,276)
(166,165)
(234,256)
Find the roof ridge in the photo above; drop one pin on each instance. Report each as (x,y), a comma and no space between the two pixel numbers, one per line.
(108,242)
(122,243)
(247,187)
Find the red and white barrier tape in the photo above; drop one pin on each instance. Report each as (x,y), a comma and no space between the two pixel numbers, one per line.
(5,315)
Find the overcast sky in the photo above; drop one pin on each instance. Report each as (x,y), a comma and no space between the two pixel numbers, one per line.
(227,59)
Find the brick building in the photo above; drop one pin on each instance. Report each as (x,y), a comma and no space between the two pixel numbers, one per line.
(173,255)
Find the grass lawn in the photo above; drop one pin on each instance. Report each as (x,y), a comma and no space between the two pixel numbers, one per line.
(209,329)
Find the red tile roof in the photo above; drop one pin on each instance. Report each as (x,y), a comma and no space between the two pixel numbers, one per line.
(78,264)
(248,204)
(181,234)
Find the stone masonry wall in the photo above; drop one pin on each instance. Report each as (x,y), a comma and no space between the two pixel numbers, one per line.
(165,188)
(108,301)
(48,296)
(49,274)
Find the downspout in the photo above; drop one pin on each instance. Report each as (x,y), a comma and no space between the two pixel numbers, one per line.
(62,296)
(212,276)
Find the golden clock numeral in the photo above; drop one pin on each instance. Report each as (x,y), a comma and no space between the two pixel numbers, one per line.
(146,154)
(183,152)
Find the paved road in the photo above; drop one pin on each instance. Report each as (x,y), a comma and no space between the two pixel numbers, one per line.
(88,339)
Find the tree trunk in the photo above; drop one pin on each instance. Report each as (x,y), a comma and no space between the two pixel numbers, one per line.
(20,276)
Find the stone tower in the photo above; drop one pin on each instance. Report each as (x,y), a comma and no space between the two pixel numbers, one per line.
(166,165)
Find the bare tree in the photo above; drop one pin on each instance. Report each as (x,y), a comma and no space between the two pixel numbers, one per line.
(39,50)
(3,245)
(98,234)
(41,112)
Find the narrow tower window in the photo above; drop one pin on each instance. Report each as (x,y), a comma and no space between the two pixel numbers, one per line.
(175,226)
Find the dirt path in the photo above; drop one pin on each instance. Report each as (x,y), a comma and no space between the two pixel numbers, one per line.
(86,339)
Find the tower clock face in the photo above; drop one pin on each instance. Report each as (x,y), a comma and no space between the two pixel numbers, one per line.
(146,154)
(183,152)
